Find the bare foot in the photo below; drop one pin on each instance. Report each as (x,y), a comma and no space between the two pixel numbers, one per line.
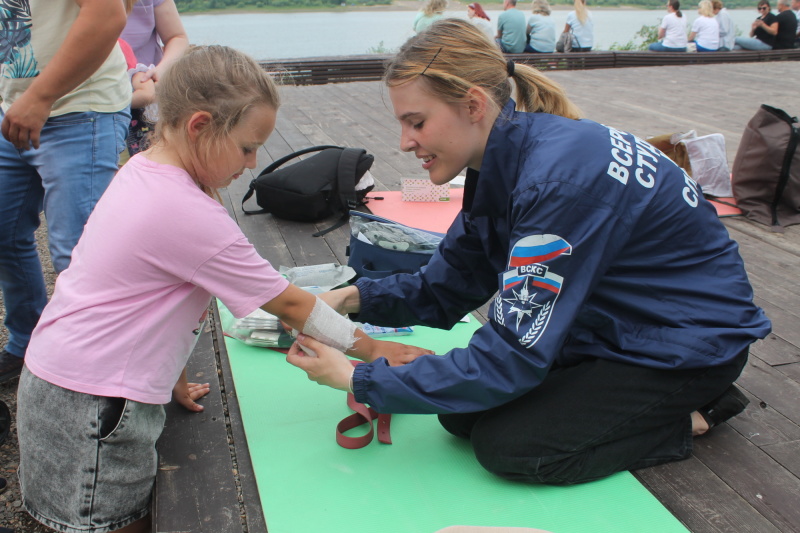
(699,424)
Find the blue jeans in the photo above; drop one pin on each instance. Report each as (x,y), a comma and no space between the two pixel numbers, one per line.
(503,47)
(751,43)
(659,47)
(76,160)
(530,50)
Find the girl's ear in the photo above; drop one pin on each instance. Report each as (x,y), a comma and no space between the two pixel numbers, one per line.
(477,103)
(197,123)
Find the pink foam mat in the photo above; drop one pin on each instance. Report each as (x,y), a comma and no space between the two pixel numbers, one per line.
(437,216)
(725,207)
(431,216)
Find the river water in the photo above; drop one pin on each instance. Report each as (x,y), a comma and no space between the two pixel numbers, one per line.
(313,34)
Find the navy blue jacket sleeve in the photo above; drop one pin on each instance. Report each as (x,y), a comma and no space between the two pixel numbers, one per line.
(458,279)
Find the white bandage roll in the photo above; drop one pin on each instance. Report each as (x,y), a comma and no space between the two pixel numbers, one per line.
(329,327)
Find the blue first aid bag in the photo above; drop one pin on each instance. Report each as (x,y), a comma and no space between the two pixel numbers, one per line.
(380,247)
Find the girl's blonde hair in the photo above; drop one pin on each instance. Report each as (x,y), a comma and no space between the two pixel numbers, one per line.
(219,80)
(129,5)
(454,56)
(581,12)
(705,8)
(434,6)
(540,7)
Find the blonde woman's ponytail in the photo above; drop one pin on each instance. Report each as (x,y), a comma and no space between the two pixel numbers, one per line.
(538,93)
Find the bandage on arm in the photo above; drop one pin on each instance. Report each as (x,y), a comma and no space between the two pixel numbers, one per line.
(329,327)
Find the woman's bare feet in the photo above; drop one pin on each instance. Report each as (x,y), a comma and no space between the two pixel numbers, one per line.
(729,404)
(699,424)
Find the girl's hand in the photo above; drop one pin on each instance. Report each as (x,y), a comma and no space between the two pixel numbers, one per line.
(328,366)
(141,83)
(396,353)
(144,91)
(187,393)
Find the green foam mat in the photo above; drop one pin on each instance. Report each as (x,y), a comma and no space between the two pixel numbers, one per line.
(425,481)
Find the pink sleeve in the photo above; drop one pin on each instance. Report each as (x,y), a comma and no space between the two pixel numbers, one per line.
(241,278)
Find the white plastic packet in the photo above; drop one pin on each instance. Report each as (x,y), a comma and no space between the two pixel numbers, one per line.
(259,328)
(709,163)
(324,277)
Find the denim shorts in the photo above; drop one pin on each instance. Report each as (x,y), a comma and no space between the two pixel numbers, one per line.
(87,463)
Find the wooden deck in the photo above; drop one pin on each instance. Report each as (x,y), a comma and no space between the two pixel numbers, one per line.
(744,476)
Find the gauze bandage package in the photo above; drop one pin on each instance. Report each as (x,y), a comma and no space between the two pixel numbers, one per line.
(259,328)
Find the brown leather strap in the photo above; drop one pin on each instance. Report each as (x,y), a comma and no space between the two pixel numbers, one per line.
(363,415)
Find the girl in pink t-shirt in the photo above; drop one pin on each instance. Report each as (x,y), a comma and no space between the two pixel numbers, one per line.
(112,344)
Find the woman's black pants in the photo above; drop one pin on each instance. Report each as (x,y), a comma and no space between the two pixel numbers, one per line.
(590,420)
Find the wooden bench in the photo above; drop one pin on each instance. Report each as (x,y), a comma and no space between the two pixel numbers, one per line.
(652,59)
(567,61)
(321,70)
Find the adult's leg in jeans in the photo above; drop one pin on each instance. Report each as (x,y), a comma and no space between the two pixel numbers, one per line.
(751,43)
(80,162)
(659,47)
(588,421)
(21,277)
(76,160)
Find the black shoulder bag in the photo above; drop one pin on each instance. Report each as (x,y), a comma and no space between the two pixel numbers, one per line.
(314,188)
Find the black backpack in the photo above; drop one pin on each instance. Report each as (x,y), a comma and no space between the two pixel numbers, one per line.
(315,188)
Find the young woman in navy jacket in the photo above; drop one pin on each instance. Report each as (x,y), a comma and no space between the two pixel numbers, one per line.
(621,312)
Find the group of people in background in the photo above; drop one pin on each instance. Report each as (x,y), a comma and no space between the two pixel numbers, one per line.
(517,33)
(773,32)
(713,30)
(537,34)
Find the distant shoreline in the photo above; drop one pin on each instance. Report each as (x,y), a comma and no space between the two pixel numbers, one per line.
(397,5)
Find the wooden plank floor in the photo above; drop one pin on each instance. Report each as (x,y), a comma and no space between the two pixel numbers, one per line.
(744,476)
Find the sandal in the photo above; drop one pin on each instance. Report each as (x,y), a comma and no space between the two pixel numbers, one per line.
(729,404)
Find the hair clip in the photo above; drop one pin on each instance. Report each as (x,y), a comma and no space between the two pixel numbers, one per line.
(432,60)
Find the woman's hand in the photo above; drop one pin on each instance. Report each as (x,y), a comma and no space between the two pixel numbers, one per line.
(344,301)
(396,353)
(327,366)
